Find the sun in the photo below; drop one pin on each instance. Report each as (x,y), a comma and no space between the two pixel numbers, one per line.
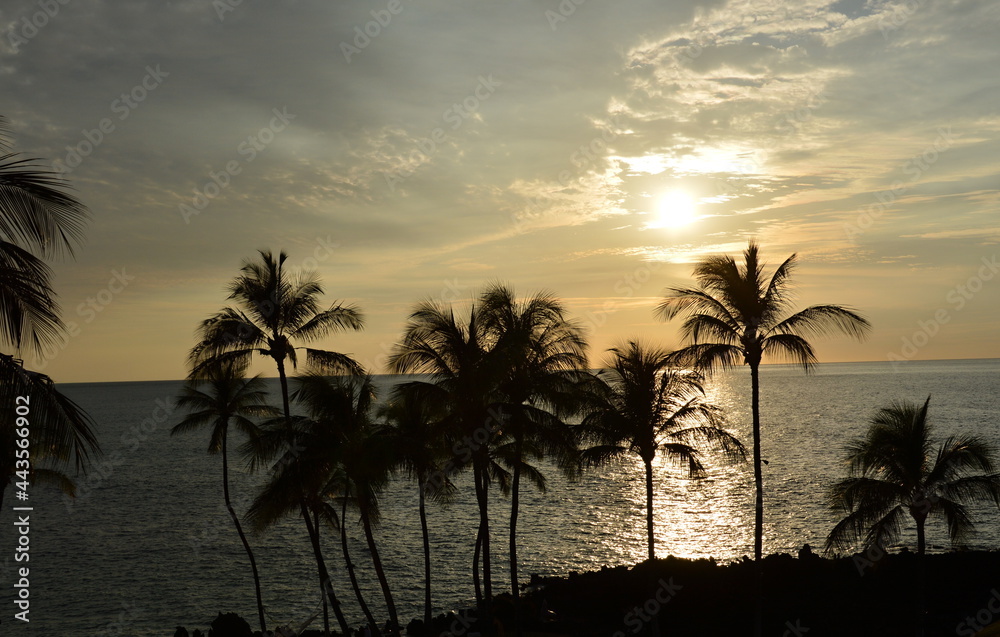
(675,209)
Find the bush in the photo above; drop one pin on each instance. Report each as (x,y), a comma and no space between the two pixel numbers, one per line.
(230,625)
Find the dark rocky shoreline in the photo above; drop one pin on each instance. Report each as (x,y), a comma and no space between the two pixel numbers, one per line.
(863,595)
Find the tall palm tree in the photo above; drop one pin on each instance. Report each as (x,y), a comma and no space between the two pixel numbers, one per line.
(545,357)
(648,407)
(896,471)
(274,311)
(38,220)
(465,377)
(422,452)
(222,399)
(737,314)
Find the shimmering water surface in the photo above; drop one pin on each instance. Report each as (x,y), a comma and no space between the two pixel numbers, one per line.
(148,545)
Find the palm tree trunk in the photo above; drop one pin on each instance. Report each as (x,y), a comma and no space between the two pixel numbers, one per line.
(326,606)
(649,507)
(377,562)
(284,390)
(239,529)
(514,503)
(427,555)
(921,579)
(324,575)
(482,495)
(758,480)
(475,559)
(350,568)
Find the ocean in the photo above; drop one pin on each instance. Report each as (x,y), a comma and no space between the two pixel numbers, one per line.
(148,546)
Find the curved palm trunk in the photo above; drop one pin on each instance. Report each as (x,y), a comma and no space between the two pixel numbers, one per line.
(922,578)
(758,480)
(326,606)
(482,494)
(514,503)
(379,570)
(427,554)
(284,389)
(324,575)
(648,464)
(239,529)
(476,553)
(350,569)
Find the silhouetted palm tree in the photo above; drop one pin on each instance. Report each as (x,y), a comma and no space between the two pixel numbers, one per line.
(739,315)
(38,220)
(465,378)
(273,312)
(545,357)
(223,399)
(299,483)
(422,451)
(364,452)
(896,472)
(647,407)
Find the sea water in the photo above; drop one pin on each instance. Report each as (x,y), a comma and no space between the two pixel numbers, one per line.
(147,545)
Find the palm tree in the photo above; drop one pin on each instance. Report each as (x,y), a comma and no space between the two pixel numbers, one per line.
(896,471)
(299,484)
(273,312)
(737,314)
(61,434)
(545,357)
(648,407)
(38,220)
(465,378)
(421,452)
(222,399)
(364,451)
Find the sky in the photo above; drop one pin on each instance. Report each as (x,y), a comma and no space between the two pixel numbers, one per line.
(412,151)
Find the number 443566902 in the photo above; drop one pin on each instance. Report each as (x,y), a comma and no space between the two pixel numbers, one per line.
(23,464)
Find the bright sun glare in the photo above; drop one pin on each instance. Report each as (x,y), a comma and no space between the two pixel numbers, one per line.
(675,209)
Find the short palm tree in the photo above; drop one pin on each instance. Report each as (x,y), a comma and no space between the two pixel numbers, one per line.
(363,452)
(897,472)
(307,448)
(738,315)
(648,407)
(38,220)
(220,400)
(421,451)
